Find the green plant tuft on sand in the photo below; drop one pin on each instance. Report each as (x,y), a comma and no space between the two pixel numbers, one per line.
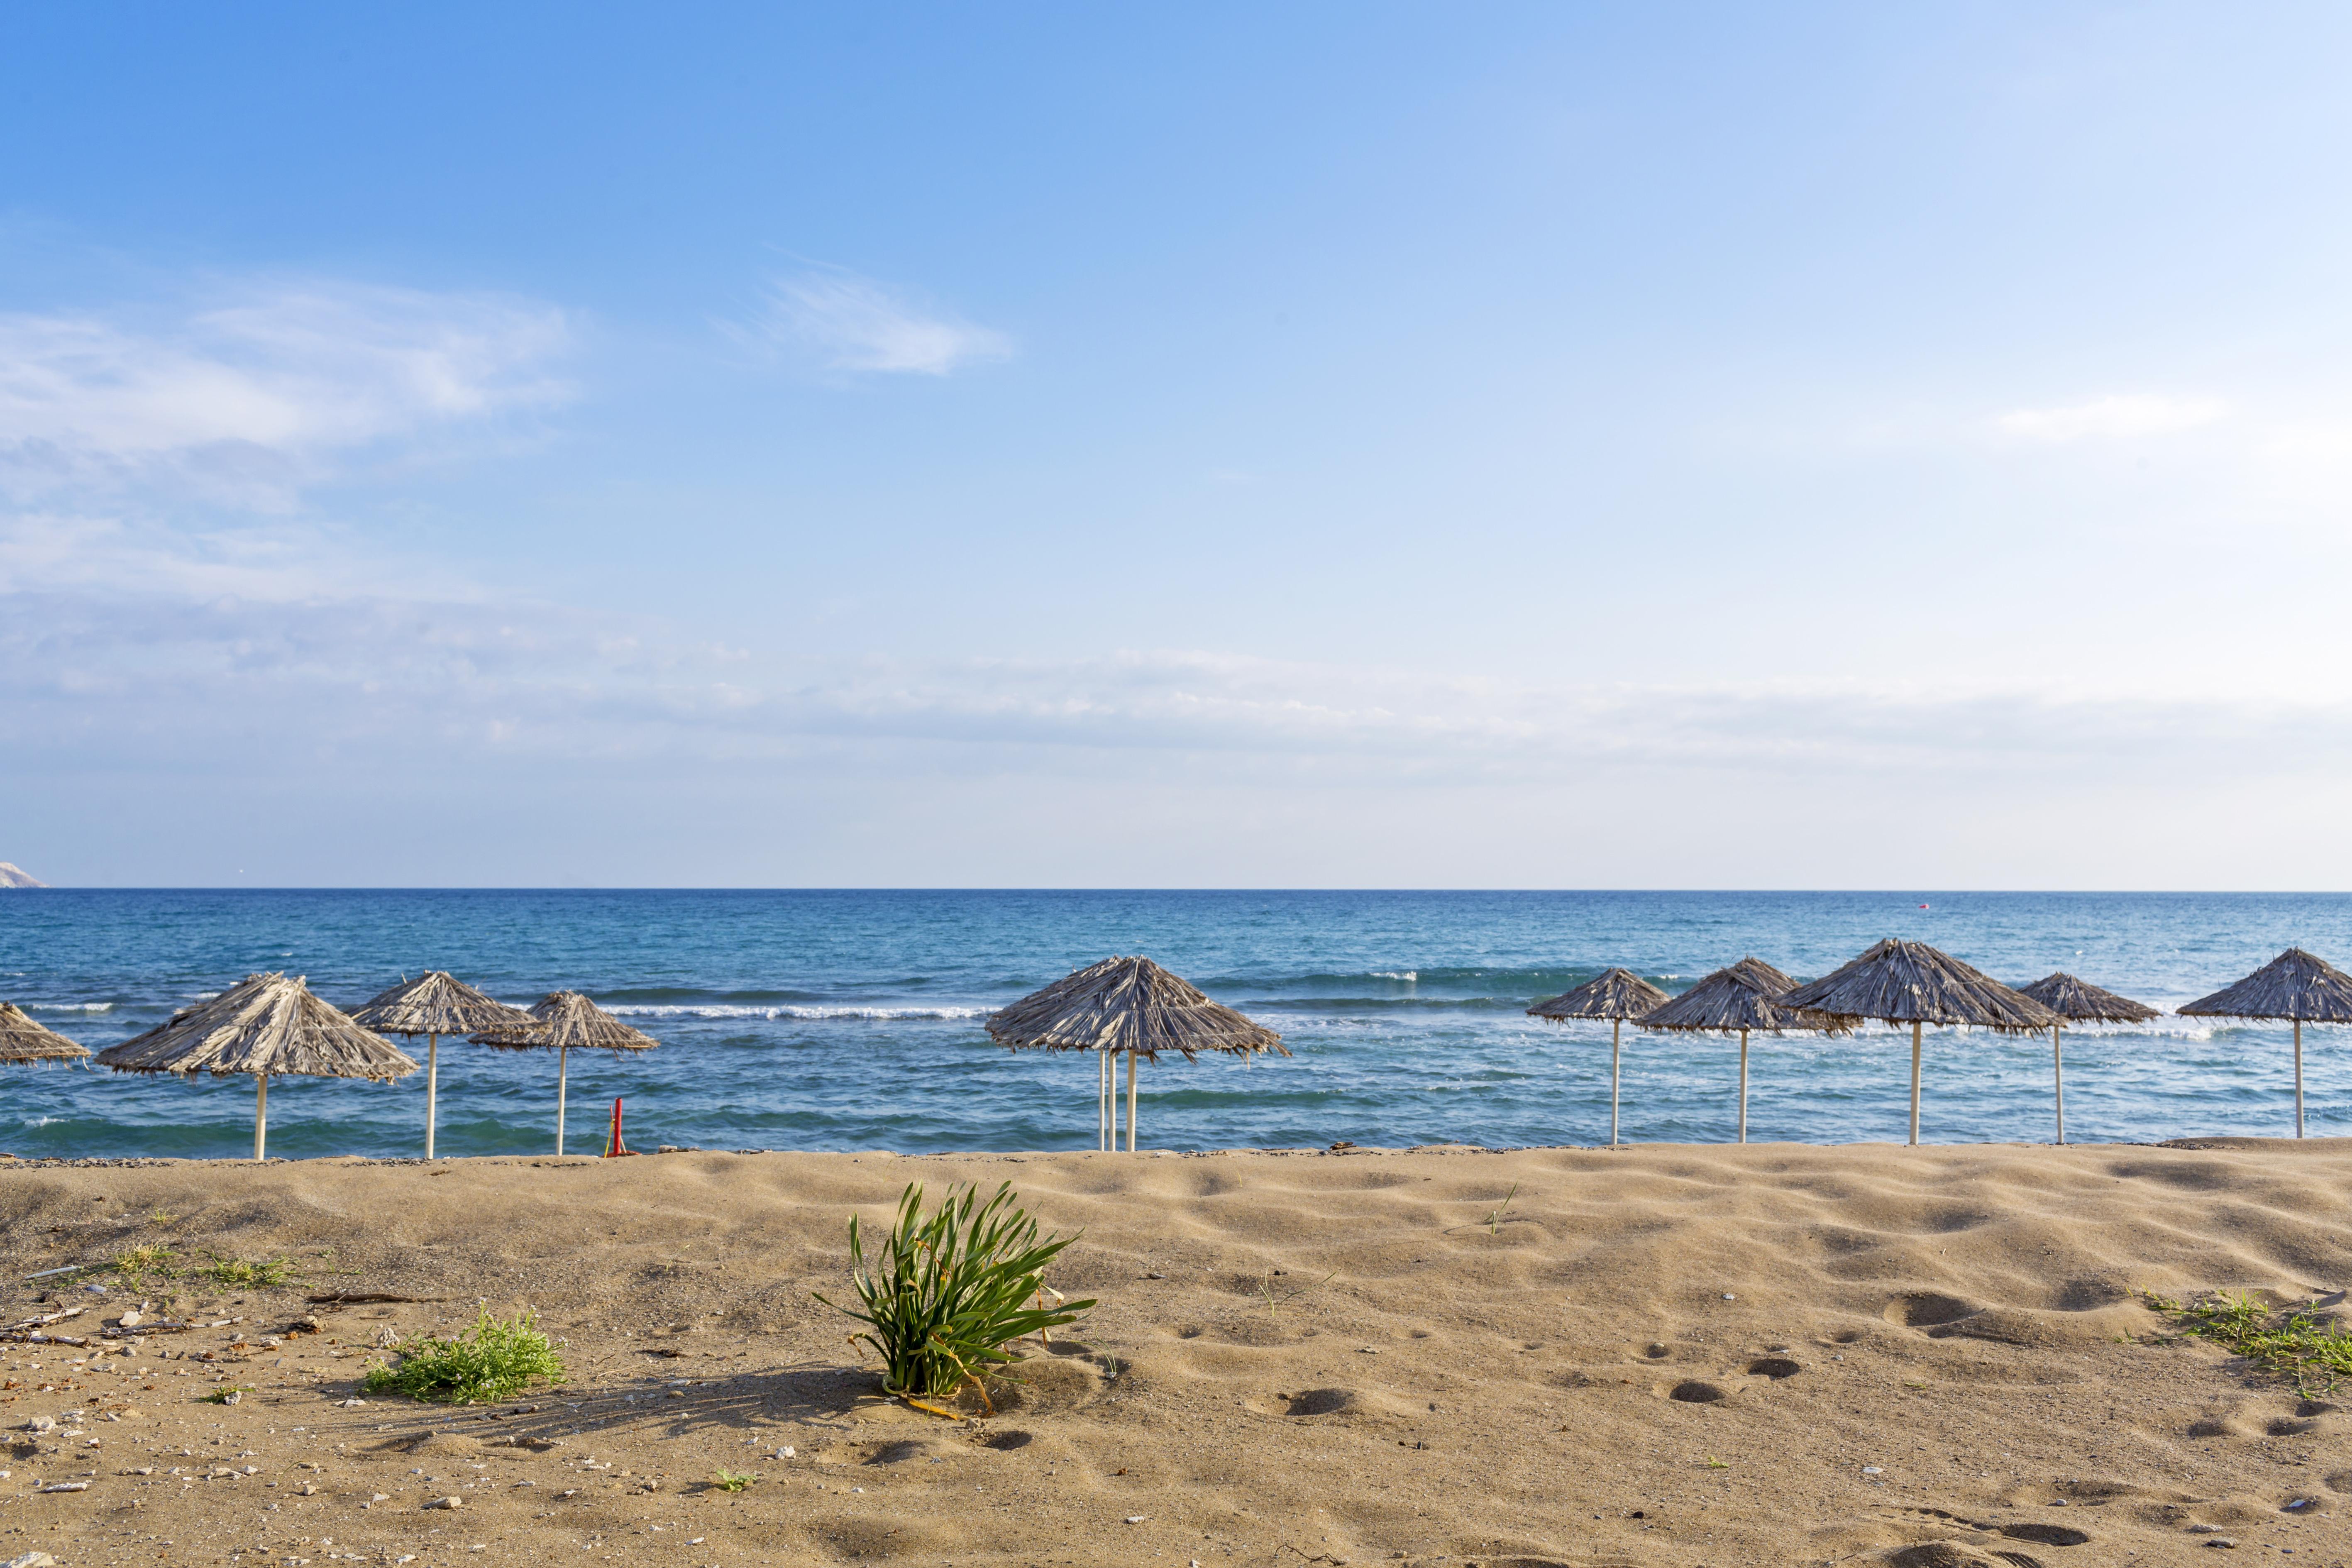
(497,1358)
(138,1262)
(237,1274)
(946,1291)
(2291,1343)
(1495,1220)
(729,1481)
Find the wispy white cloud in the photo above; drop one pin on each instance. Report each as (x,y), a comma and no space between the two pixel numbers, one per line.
(261,387)
(855,323)
(2123,417)
(114,631)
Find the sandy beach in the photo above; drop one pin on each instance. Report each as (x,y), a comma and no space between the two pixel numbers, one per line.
(1662,1355)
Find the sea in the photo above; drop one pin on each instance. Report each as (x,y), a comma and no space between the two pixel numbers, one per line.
(853,1020)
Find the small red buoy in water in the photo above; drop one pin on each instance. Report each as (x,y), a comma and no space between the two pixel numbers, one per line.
(1923,906)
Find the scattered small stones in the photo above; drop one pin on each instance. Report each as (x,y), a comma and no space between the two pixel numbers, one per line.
(2222,1540)
(31,1560)
(1137,1517)
(447,1502)
(63,1487)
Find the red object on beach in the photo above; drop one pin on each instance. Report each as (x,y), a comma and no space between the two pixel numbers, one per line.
(612,1145)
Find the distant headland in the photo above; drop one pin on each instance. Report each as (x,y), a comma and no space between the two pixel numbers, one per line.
(14,876)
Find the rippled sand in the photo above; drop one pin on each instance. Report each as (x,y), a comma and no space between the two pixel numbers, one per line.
(1666,1354)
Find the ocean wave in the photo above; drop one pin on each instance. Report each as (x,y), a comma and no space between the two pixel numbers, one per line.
(67,1006)
(718,1010)
(1408,1005)
(1544,982)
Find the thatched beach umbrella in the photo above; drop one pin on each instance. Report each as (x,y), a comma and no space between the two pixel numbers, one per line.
(1616,995)
(2295,984)
(1129,1004)
(1910,982)
(25,1040)
(433,1005)
(267,1026)
(563,1021)
(1740,998)
(2079,1002)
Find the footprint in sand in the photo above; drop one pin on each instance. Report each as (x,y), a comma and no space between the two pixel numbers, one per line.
(1322,1402)
(1930,1309)
(1694,1391)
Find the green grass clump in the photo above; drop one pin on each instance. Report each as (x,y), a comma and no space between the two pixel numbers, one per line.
(496,1360)
(729,1481)
(949,1291)
(237,1274)
(137,1263)
(2292,1344)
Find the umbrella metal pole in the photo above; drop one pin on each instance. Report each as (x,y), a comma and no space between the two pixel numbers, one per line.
(1102,1100)
(1130,1102)
(563,1070)
(2298,1077)
(260,1113)
(432,1086)
(2058,1066)
(1743,1085)
(1616,1027)
(1914,1083)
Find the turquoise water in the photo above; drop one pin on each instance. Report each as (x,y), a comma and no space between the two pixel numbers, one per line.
(840,1020)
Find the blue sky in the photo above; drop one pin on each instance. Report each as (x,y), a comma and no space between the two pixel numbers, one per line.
(1327,446)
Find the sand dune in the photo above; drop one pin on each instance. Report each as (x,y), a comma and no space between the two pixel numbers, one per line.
(1671,1355)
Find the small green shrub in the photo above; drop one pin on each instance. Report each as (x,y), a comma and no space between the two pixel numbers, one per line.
(237,1274)
(729,1481)
(137,1263)
(948,1291)
(497,1359)
(2290,1345)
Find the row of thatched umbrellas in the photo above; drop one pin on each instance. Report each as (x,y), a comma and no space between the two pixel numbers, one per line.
(1911,982)
(272,1025)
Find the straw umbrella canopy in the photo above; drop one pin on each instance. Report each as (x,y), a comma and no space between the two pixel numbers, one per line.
(25,1040)
(270,1026)
(1739,998)
(1616,995)
(2295,984)
(1910,982)
(565,1021)
(433,1005)
(1129,1004)
(2079,1002)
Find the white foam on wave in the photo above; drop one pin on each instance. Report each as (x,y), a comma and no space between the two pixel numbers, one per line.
(720,1010)
(1413,975)
(67,1006)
